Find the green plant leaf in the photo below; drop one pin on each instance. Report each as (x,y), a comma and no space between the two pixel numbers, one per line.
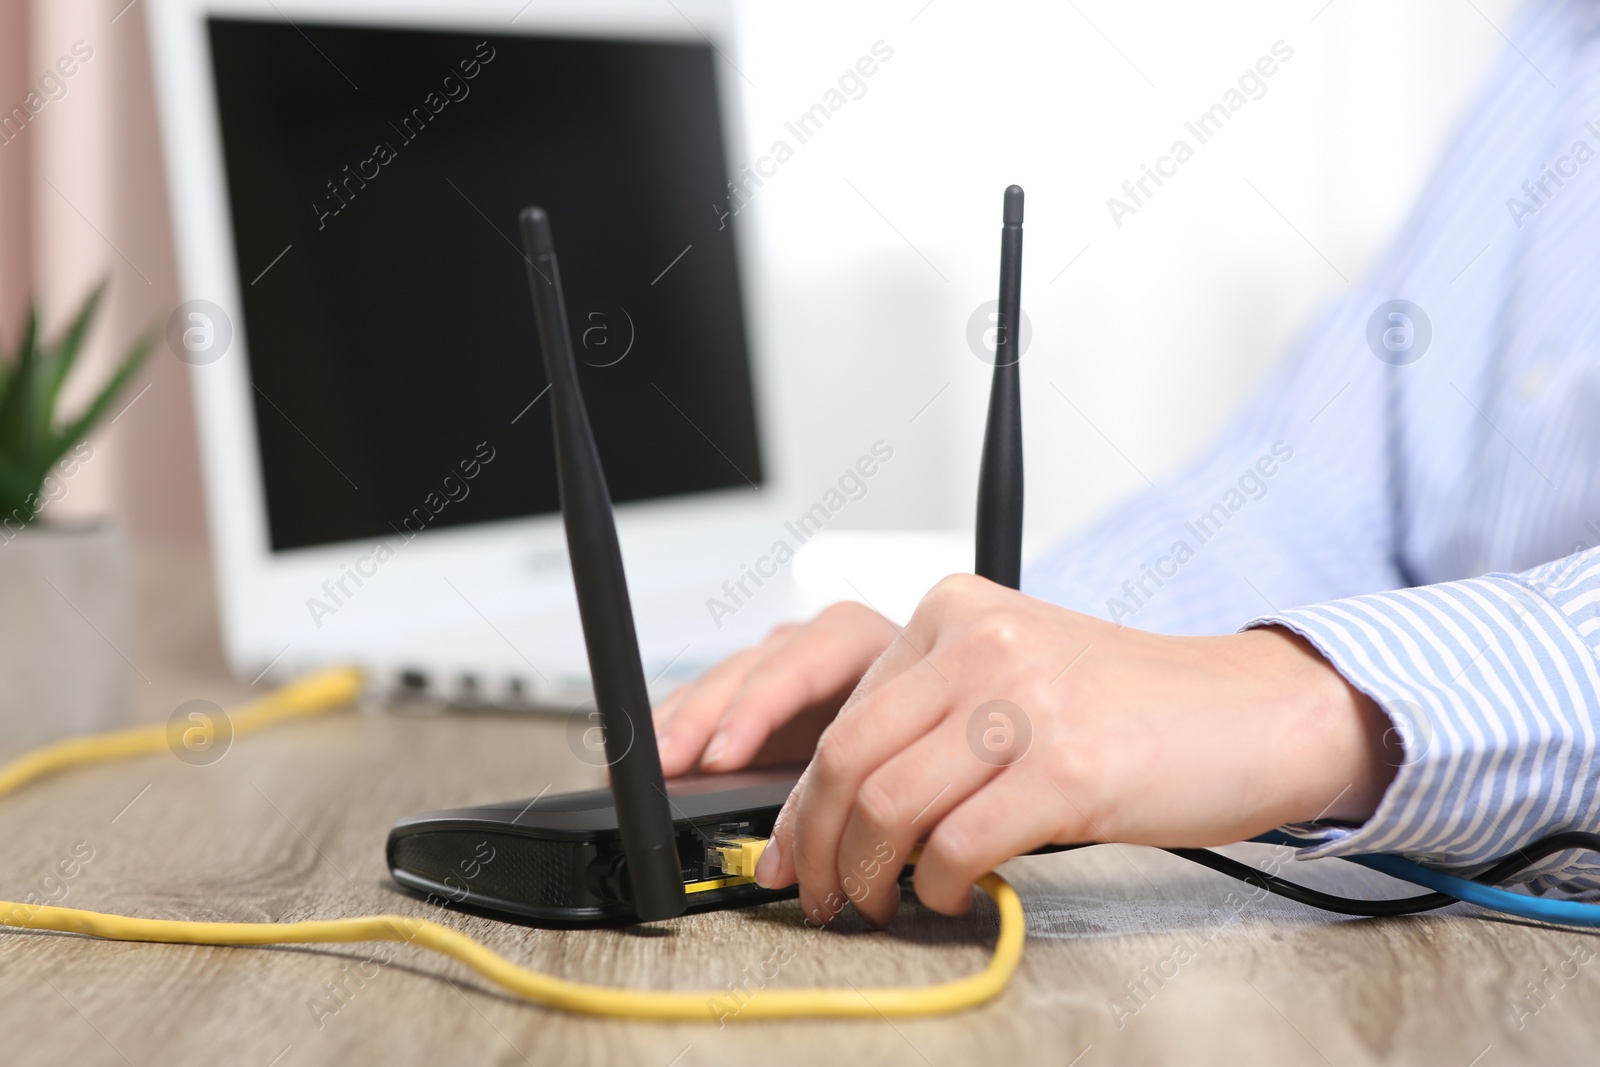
(56,362)
(19,432)
(30,441)
(79,428)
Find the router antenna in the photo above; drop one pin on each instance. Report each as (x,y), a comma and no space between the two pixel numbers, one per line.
(999,556)
(643,811)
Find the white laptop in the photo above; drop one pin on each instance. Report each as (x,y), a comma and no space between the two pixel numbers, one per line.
(345,179)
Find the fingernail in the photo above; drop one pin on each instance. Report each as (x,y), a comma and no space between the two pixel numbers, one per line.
(663,742)
(767,866)
(714,750)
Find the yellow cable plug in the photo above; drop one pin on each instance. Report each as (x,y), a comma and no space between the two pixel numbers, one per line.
(740,854)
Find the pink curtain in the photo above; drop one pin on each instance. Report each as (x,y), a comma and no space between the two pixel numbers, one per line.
(82,197)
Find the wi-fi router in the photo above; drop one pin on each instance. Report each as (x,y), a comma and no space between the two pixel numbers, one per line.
(647,849)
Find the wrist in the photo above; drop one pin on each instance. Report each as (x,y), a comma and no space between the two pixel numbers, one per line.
(1344,752)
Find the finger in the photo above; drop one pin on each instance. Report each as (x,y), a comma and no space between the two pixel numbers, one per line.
(667,710)
(819,665)
(898,804)
(884,723)
(682,727)
(662,713)
(775,868)
(910,650)
(902,654)
(1016,812)
(778,868)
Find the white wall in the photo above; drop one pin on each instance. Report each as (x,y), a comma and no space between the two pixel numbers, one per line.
(1160,328)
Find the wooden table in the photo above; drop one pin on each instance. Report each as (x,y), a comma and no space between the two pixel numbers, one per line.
(1133,956)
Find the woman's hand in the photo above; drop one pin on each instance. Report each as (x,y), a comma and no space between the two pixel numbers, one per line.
(769,704)
(997,723)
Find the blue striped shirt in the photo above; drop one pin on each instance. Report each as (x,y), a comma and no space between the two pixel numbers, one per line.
(1399,488)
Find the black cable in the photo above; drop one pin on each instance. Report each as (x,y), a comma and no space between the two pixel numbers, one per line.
(1306,895)
(1568,841)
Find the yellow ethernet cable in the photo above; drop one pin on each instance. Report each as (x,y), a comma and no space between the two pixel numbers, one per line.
(314,694)
(328,690)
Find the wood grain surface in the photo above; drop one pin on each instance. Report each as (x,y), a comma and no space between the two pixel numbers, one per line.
(1133,956)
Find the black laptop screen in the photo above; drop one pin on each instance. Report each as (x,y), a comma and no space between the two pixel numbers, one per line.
(374,178)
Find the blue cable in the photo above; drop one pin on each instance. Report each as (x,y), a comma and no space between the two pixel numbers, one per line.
(1564,912)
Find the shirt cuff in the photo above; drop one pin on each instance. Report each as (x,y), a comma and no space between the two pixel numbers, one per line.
(1493,687)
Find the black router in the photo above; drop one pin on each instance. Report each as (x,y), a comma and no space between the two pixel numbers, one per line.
(646,849)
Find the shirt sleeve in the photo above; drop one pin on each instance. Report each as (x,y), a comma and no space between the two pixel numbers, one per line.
(1493,687)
